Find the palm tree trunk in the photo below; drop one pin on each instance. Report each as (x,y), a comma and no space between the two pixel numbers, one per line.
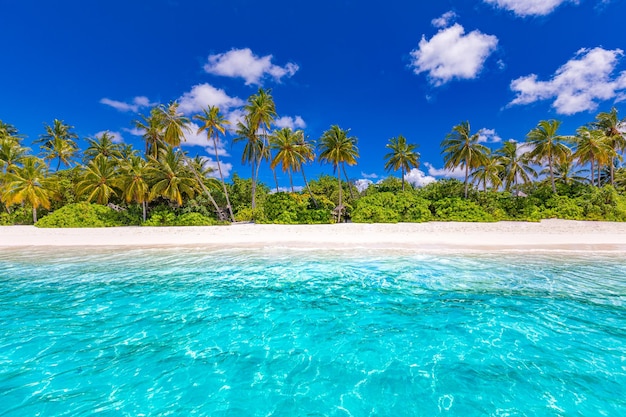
(253,178)
(339,207)
(592,173)
(306,183)
(402,178)
(345,174)
(275,179)
(220,215)
(34,215)
(219,168)
(290,180)
(144,210)
(612,171)
(466,179)
(552,174)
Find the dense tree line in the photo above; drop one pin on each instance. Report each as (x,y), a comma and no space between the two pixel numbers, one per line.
(107,184)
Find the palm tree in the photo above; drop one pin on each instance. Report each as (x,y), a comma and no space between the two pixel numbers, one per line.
(11,153)
(99,180)
(172,177)
(261,111)
(461,149)
(613,129)
(253,145)
(547,145)
(214,123)
(102,145)
(516,165)
(152,127)
(337,148)
(29,183)
(402,156)
(133,181)
(592,147)
(307,150)
(565,171)
(490,172)
(287,145)
(59,142)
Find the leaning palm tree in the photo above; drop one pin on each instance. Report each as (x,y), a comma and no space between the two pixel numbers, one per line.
(133,181)
(337,148)
(306,149)
(489,173)
(286,143)
(547,145)
(171,176)
(30,184)
(613,129)
(461,149)
(402,156)
(593,147)
(516,166)
(59,142)
(99,180)
(214,123)
(102,145)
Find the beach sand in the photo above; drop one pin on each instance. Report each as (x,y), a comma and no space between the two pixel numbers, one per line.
(545,235)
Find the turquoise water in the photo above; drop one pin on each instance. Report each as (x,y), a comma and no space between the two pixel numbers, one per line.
(188,332)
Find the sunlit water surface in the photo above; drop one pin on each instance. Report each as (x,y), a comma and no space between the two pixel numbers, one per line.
(272,332)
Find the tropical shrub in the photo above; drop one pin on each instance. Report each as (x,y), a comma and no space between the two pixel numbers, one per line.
(292,208)
(82,215)
(387,207)
(460,210)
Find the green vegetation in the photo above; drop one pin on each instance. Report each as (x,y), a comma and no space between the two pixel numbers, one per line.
(548,176)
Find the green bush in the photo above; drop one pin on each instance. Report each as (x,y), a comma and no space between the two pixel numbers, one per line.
(195,219)
(82,215)
(387,207)
(460,210)
(20,215)
(292,208)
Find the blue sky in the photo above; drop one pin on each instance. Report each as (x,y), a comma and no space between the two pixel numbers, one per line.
(381,69)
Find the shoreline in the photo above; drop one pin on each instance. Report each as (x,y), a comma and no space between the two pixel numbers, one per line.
(547,235)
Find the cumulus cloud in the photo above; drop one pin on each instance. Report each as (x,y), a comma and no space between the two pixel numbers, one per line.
(444,20)
(116,136)
(369,176)
(242,63)
(418,178)
(193,138)
(578,85)
(137,104)
(203,95)
(452,54)
(488,136)
(525,8)
(290,122)
(458,172)
(362,184)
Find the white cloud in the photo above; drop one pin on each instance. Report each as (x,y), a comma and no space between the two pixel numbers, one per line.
(444,20)
(193,138)
(488,136)
(296,188)
(578,85)
(134,131)
(227,167)
(242,63)
(369,176)
(418,178)
(137,104)
(458,172)
(452,54)
(529,7)
(116,136)
(362,184)
(290,122)
(203,95)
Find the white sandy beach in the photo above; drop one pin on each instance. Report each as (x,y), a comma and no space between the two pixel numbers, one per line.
(546,235)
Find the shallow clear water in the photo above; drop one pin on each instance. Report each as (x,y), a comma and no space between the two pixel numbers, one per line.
(309,333)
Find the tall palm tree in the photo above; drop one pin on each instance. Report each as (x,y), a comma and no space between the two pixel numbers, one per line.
(592,146)
(133,181)
(337,148)
(261,110)
(172,177)
(214,123)
(288,149)
(565,171)
(59,142)
(11,153)
(461,149)
(29,183)
(613,129)
(548,145)
(253,146)
(306,149)
(402,156)
(99,180)
(102,145)
(489,173)
(516,166)
(152,128)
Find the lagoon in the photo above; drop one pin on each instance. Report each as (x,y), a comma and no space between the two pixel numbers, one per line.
(284,332)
